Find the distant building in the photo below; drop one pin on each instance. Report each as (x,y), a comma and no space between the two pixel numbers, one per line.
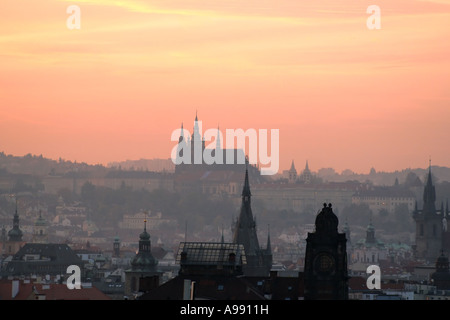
(221,178)
(292,173)
(306,175)
(300,197)
(384,198)
(134,221)
(432,232)
(368,251)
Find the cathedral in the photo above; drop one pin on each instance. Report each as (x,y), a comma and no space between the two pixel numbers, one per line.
(195,173)
(432,235)
(191,151)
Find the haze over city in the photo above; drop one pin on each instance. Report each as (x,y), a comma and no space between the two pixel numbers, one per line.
(342,96)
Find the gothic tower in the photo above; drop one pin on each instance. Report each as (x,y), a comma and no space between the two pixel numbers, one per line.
(429,228)
(40,234)
(306,175)
(259,261)
(292,173)
(325,273)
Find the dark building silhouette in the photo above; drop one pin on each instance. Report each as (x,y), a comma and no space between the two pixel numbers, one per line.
(441,277)
(12,241)
(431,225)
(214,271)
(15,234)
(259,261)
(325,273)
(42,259)
(143,275)
(211,258)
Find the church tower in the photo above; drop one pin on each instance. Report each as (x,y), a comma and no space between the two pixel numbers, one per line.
(325,273)
(306,175)
(197,144)
(259,261)
(292,173)
(429,227)
(40,234)
(143,274)
(15,234)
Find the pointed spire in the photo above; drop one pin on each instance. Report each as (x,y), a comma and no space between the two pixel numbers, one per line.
(196,134)
(292,166)
(15,234)
(429,195)
(268,246)
(218,138)
(182,132)
(246,190)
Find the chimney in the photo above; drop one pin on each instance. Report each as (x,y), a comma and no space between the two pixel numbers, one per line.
(14,288)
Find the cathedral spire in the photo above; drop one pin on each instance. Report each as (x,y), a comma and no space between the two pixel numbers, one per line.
(218,138)
(429,195)
(268,246)
(181,138)
(246,194)
(196,134)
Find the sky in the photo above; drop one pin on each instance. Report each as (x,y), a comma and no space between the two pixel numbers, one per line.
(342,95)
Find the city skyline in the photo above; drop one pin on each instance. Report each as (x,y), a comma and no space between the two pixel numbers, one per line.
(342,96)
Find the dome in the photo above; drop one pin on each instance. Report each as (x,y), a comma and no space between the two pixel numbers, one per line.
(144,261)
(15,232)
(144,235)
(40,222)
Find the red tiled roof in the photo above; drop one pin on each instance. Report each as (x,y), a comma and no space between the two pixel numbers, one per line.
(51,292)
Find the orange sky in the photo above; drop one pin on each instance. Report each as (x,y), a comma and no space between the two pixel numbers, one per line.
(342,95)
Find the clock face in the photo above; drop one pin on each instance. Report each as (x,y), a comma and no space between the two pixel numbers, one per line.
(324,263)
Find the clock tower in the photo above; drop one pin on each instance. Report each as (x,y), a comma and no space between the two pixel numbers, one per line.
(325,274)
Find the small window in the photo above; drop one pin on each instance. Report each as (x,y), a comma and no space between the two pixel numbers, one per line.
(220,287)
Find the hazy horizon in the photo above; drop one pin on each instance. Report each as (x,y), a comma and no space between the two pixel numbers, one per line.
(341,95)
